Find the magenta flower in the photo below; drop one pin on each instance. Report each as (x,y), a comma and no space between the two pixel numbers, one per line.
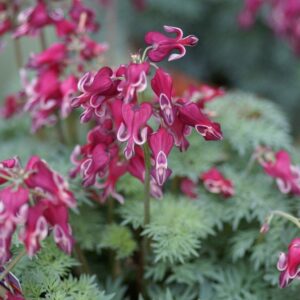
(78,10)
(6,167)
(161,144)
(64,27)
(247,16)
(135,80)
(189,188)
(92,159)
(54,187)
(136,167)
(180,131)
(36,229)
(287,175)
(57,216)
(68,88)
(162,45)
(91,49)
(162,85)
(10,296)
(13,212)
(96,89)
(289,264)
(33,19)
(13,104)
(116,170)
(133,129)
(203,94)
(52,56)
(191,115)
(216,183)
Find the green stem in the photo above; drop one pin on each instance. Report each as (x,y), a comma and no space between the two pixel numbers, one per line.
(12,264)
(287,216)
(18,53)
(146,198)
(43,41)
(84,265)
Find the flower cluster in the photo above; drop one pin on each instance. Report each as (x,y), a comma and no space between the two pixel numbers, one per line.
(136,130)
(34,199)
(47,96)
(283,18)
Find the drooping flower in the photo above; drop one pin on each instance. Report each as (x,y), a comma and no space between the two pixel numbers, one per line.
(12,105)
(33,19)
(287,175)
(135,80)
(216,183)
(133,129)
(191,115)
(203,94)
(52,56)
(78,10)
(163,87)
(54,187)
(96,89)
(161,143)
(162,45)
(289,264)
(188,187)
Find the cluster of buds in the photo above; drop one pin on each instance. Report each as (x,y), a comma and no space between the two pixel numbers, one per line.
(283,18)
(213,181)
(278,165)
(34,200)
(136,129)
(48,95)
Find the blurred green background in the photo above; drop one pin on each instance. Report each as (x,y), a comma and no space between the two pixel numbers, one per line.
(255,60)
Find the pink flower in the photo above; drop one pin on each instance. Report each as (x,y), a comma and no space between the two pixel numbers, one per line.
(203,94)
(96,89)
(6,167)
(161,143)
(133,129)
(57,216)
(64,27)
(247,16)
(162,85)
(162,45)
(116,170)
(180,131)
(189,188)
(36,229)
(288,264)
(92,159)
(91,49)
(52,56)
(13,212)
(135,80)
(216,183)
(68,89)
(287,175)
(78,10)
(33,19)
(42,178)
(12,105)
(191,115)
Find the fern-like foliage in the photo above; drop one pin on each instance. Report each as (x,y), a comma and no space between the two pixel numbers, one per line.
(119,239)
(248,121)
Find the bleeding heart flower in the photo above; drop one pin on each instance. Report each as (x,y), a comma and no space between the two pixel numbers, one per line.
(163,87)
(216,183)
(163,45)
(191,115)
(189,188)
(135,80)
(161,143)
(287,175)
(133,129)
(289,264)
